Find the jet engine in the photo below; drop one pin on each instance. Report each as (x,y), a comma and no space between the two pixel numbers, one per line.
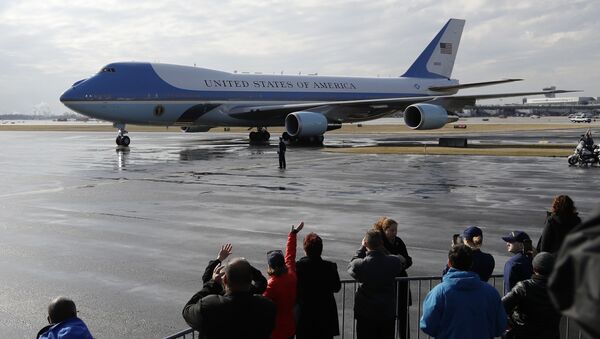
(427,116)
(195,129)
(305,124)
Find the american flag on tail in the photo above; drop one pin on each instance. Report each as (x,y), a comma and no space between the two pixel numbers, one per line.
(445,47)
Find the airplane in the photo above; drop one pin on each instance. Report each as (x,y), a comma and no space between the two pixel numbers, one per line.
(198,99)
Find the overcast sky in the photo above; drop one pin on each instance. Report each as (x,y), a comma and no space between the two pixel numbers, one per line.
(46,45)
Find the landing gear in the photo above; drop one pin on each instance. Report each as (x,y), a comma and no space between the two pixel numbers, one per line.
(260,137)
(122,139)
(314,140)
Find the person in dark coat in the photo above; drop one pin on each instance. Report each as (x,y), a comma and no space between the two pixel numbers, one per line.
(559,222)
(518,267)
(483,263)
(388,229)
(318,280)
(531,313)
(259,282)
(235,314)
(375,298)
(574,285)
(281,152)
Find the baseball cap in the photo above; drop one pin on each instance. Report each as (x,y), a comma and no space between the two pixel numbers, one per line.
(472,231)
(516,236)
(275,258)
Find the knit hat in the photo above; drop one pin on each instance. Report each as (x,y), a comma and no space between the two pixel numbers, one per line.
(275,259)
(543,263)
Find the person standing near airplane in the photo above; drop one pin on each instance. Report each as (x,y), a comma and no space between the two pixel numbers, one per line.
(281,152)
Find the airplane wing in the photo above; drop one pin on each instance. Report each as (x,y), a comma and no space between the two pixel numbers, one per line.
(449,102)
(471,85)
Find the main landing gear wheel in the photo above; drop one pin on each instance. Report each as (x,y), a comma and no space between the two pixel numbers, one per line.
(260,136)
(312,141)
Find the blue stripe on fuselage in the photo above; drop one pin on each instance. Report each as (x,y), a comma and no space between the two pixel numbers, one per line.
(139,82)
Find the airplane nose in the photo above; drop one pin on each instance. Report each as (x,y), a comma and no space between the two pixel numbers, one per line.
(73,93)
(66,95)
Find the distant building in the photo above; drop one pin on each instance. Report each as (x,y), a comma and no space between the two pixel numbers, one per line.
(561,101)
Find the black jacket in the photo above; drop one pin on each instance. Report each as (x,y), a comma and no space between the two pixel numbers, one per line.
(376,272)
(555,231)
(229,316)
(531,312)
(318,280)
(259,282)
(397,248)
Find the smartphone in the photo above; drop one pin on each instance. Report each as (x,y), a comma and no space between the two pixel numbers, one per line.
(456,239)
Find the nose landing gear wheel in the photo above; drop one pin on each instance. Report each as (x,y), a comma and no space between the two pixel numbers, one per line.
(125,141)
(122,139)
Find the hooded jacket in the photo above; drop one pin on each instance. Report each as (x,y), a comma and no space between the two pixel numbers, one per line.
(463,306)
(73,328)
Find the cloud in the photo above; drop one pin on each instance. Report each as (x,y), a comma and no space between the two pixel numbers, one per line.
(49,44)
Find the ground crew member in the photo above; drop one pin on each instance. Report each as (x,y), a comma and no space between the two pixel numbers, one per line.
(281,153)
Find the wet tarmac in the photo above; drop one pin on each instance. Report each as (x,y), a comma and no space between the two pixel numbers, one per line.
(127,233)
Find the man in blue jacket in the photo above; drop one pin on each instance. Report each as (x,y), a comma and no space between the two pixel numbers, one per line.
(518,267)
(463,306)
(64,324)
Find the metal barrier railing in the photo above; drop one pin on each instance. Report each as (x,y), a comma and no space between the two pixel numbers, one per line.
(418,289)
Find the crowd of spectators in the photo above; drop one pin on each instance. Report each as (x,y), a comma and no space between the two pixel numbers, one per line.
(297,299)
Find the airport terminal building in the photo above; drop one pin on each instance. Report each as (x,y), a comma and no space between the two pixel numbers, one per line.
(540,106)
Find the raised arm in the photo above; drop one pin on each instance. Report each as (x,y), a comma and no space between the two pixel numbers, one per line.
(221,256)
(290,249)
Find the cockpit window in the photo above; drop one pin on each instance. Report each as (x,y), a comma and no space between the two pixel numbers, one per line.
(107,70)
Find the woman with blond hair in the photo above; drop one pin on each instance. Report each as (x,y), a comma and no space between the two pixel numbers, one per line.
(483,263)
(395,246)
(560,221)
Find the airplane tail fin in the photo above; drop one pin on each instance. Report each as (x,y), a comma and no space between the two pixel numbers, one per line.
(437,60)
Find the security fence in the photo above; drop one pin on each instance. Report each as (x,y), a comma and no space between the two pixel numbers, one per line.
(418,289)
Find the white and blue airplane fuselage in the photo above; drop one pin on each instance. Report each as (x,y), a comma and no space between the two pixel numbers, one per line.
(198,99)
